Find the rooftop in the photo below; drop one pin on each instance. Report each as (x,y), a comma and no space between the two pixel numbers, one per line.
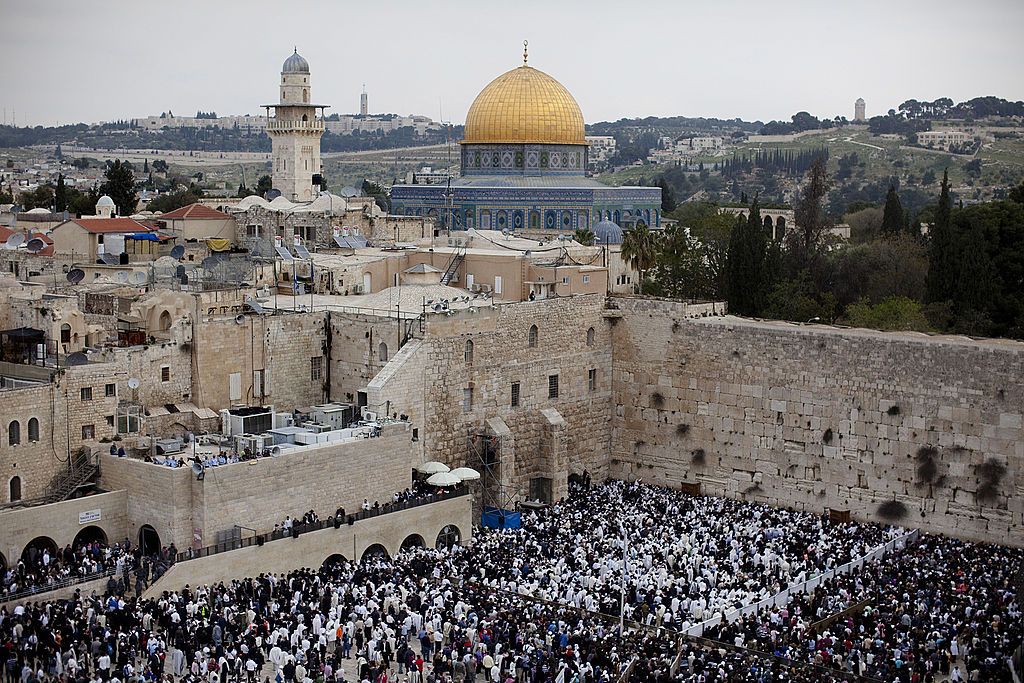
(195,212)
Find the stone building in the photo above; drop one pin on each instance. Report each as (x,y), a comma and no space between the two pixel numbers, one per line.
(295,131)
(524,160)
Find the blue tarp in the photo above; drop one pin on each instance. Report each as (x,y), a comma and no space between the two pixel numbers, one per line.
(148,236)
(496,518)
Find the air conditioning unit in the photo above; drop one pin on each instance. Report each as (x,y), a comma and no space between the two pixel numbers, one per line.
(168,446)
(458,241)
(369,415)
(357,289)
(256,443)
(486,289)
(475,288)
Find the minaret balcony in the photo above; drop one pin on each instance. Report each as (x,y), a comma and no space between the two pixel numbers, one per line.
(295,125)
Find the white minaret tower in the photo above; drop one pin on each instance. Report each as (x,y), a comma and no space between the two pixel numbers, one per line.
(364,104)
(295,131)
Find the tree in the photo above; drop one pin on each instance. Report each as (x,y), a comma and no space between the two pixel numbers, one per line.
(812,224)
(60,195)
(145,166)
(120,186)
(264,185)
(243,191)
(160,166)
(864,224)
(39,198)
(173,200)
(1016,194)
(584,236)
(639,249)
(749,276)
(5,197)
(680,271)
(941,256)
(893,220)
(894,313)
(668,199)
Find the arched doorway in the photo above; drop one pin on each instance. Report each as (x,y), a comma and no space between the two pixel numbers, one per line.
(14,489)
(448,537)
(165,321)
(334,559)
(36,547)
(3,563)
(90,534)
(375,551)
(413,541)
(149,540)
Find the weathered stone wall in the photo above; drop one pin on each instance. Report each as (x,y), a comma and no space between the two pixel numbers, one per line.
(281,346)
(817,417)
(436,375)
(61,522)
(312,549)
(259,494)
(355,350)
(61,410)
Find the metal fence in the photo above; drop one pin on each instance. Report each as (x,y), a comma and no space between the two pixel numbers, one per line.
(332,521)
(70,581)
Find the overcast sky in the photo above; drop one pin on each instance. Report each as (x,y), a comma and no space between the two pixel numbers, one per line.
(95,60)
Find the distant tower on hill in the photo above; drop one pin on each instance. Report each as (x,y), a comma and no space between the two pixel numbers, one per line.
(858,110)
(364,103)
(295,131)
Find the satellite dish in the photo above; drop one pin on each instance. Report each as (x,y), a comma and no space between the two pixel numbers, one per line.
(35,245)
(77,358)
(122,276)
(178,251)
(133,383)
(75,275)
(14,241)
(138,277)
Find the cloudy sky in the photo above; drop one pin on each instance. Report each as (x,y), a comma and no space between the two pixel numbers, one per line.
(69,61)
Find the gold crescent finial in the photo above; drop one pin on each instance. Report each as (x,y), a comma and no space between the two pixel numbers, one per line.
(526,43)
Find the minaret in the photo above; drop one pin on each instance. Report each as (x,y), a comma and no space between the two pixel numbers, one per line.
(858,110)
(364,105)
(295,131)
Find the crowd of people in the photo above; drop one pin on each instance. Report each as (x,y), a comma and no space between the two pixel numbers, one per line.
(543,603)
(40,569)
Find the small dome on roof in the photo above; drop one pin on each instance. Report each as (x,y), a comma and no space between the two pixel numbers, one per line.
(105,200)
(607,232)
(295,64)
(38,210)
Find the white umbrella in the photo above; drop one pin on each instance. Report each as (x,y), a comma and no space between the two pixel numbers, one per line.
(443,479)
(432,467)
(466,473)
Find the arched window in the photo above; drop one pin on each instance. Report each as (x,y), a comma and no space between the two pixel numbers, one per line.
(14,433)
(65,334)
(14,489)
(33,429)
(531,341)
(165,321)
(468,353)
(382,352)
(590,337)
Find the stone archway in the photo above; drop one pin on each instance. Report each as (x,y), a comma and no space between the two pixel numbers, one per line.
(449,536)
(35,548)
(90,534)
(413,541)
(149,540)
(375,551)
(334,559)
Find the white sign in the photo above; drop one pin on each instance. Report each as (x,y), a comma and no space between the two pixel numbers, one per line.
(88,516)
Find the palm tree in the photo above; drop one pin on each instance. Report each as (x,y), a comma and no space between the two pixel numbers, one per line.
(640,249)
(584,236)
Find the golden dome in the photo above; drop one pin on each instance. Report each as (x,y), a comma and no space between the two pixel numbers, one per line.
(525,105)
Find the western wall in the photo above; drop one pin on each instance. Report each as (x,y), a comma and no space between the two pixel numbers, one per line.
(892,427)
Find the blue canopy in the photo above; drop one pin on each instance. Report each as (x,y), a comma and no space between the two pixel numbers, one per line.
(148,236)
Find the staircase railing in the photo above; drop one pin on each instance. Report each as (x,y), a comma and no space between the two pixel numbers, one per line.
(82,466)
(453,267)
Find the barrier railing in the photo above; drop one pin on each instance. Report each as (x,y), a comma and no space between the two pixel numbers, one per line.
(64,583)
(330,522)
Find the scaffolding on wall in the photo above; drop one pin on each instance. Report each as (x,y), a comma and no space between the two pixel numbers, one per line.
(498,504)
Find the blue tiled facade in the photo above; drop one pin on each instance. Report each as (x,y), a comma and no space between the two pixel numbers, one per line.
(525,187)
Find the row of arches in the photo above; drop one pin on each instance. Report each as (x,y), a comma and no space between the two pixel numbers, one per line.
(148,541)
(449,536)
(14,431)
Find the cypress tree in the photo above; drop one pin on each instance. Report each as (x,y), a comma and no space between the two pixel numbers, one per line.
(747,264)
(892,217)
(941,254)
